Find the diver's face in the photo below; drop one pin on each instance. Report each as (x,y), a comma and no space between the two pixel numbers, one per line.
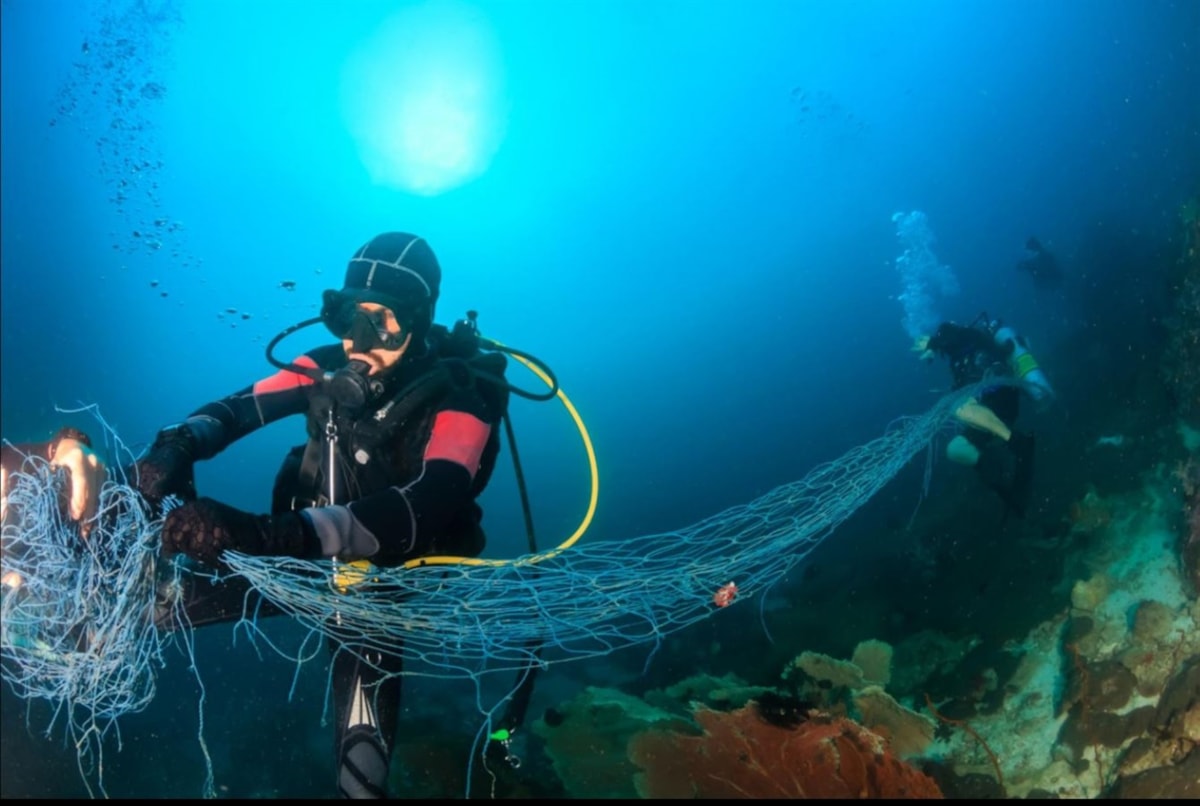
(380,359)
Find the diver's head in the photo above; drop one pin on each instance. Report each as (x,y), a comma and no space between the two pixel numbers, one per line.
(385,307)
(1033,244)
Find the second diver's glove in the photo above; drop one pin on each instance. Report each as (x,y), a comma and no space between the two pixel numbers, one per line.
(204,528)
(169,467)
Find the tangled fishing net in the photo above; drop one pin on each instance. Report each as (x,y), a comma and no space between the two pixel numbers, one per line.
(81,632)
(591,599)
(76,625)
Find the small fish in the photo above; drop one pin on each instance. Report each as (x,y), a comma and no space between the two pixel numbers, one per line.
(154,283)
(231,310)
(288,285)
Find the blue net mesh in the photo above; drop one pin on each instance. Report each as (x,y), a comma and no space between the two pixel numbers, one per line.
(80,630)
(591,599)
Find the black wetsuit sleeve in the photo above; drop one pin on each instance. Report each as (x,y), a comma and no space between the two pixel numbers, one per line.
(217,425)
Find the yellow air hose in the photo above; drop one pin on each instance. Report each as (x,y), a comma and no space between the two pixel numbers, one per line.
(349,574)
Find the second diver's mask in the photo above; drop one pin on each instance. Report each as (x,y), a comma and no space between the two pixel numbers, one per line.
(366,329)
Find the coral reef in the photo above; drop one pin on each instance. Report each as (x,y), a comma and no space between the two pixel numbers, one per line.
(1187,474)
(875,659)
(908,733)
(725,692)
(1097,697)
(585,740)
(846,688)
(740,755)
(1165,761)
(831,671)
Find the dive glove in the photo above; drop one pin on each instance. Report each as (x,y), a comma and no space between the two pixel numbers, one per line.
(168,469)
(204,528)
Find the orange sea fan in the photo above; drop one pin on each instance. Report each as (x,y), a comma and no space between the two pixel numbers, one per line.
(741,756)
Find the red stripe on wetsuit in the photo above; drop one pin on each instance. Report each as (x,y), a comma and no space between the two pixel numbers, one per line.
(286,379)
(458,437)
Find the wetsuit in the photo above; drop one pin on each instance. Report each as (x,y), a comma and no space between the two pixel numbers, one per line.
(407,474)
(975,356)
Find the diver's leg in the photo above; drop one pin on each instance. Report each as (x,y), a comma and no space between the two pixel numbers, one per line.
(962,451)
(977,415)
(366,690)
(1007,468)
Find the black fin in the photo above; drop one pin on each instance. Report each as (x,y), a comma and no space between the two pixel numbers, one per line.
(1007,469)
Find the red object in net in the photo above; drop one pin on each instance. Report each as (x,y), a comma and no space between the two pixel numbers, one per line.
(741,756)
(725,595)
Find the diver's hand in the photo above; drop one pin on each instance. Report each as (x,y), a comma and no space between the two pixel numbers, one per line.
(204,528)
(87,477)
(168,469)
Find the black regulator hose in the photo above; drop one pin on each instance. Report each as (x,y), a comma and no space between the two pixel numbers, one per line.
(482,343)
(316,373)
(489,344)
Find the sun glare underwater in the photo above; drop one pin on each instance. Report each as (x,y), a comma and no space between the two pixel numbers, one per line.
(424,98)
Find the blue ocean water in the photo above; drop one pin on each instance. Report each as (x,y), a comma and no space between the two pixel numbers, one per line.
(685,209)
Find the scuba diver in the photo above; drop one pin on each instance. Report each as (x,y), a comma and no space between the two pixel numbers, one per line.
(401,418)
(1041,265)
(1001,455)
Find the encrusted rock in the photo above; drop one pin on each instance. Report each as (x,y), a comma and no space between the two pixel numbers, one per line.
(1152,622)
(1109,686)
(1087,594)
(1180,780)
(1078,627)
(1178,712)
(1087,728)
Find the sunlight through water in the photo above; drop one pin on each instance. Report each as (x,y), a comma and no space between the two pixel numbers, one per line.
(423,98)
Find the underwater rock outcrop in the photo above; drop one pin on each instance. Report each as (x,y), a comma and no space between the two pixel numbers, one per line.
(1188,476)
(1165,762)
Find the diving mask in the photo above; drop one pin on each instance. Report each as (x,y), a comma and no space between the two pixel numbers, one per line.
(366,329)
